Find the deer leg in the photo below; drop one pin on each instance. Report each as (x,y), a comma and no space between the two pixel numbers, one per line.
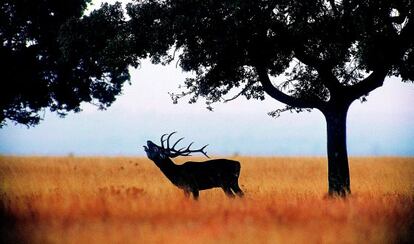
(186,193)
(228,192)
(235,187)
(195,194)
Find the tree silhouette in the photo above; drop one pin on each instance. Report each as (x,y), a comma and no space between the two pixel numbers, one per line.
(307,54)
(53,58)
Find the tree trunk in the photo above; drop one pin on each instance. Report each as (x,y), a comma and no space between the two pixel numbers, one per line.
(338,169)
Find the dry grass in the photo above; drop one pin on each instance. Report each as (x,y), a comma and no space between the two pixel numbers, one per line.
(128,200)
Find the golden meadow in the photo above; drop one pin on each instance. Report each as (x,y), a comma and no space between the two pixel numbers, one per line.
(128,200)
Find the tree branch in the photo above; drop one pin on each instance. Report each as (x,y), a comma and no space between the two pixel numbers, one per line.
(349,6)
(376,78)
(275,93)
(370,83)
(406,34)
(333,6)
(397,19)
(324,70)
(247,87)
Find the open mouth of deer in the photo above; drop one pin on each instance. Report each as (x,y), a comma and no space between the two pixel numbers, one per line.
(149,147)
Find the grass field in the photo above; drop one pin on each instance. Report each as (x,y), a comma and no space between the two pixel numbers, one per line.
(128,200)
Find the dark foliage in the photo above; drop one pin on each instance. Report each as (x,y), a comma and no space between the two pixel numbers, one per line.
(52,57)
(321,49)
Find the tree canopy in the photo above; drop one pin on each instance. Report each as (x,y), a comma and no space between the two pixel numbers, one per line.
(302,53)
(54,57)
(317,48)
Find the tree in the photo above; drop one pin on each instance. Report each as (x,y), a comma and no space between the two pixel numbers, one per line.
(54,57)
(307,54)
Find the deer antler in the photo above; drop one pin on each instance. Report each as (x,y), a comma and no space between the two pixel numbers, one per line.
(162,140)
(185,151)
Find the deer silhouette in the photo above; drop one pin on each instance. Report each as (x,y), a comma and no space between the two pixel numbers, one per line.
(193,177)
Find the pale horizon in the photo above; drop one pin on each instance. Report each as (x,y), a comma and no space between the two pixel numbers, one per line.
(382,126)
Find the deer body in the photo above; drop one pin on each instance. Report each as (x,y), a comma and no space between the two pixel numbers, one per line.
(193,177)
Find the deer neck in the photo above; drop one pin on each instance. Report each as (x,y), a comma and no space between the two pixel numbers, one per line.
(169,169)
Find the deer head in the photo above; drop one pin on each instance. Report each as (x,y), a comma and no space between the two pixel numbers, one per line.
(155,152)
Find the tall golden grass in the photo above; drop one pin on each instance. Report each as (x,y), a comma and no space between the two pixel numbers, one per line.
(128,200)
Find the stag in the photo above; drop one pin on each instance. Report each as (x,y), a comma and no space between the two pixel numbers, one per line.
(193,177)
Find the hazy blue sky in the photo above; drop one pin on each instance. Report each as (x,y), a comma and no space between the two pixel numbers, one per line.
(381,126)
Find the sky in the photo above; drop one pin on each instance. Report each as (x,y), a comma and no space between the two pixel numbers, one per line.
(382,126)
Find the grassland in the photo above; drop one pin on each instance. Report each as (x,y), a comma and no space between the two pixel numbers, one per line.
(128,200)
